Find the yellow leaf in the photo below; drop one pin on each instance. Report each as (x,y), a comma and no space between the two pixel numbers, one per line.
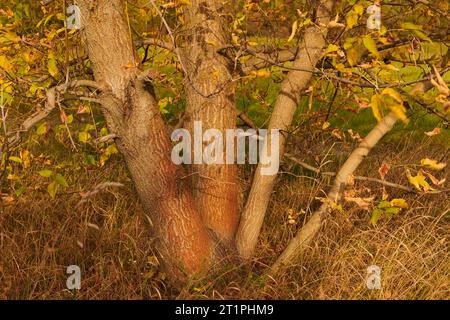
(5,64)
(25,156)
(375,104)
(400,112)
(15,159)
(42,129)
(332,48)
(353,55)
(413,180)
(325,125)
(432,164)
(52,65)
(389,67)
(418,181)
(84,136)
(351,19)
(401,203)
(264,73)
(294,30)
(392,93)
(371,45)
(359,9)
(129,66)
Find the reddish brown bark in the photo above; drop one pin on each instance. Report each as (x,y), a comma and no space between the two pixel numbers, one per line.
(132,114)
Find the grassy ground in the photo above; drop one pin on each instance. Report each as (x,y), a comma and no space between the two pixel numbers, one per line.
(108,236)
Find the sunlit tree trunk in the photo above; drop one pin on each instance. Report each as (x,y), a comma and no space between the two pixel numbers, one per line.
(210,99)
(132,114)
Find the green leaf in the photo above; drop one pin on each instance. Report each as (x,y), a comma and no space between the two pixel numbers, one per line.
(422,35)
(89,127)
(61,180)
(410,26)
(20,191)
(52,189)
(416,29)
(391,211)
(90,159)
(45,173)
(384,204)
(376,214)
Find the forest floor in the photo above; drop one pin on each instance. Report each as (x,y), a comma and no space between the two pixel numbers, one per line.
(108,235)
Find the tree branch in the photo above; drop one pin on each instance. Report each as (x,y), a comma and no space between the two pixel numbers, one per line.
(156,42)
(50,105)
(360,178)
(310,52)
(304,236)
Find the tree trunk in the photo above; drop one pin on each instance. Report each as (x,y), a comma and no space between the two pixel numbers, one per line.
(310,52)
(132,114)
(210,99)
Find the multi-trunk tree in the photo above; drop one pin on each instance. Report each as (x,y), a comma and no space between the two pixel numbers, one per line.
(194,209)
(194,212)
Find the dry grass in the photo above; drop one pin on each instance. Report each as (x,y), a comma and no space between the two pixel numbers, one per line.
(40,237)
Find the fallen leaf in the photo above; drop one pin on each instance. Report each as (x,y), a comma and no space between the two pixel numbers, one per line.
(354,135)
(433,132)
(384,169)
(433,179)
(418,181)
(432,164)
(337,134)
(351,180)
(363,203)
(400,203)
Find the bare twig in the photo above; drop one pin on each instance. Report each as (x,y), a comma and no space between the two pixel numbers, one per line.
(177,52)
(107,138)
(50,105)
(156,42)
(46,2)
(89,194)
(249,122)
